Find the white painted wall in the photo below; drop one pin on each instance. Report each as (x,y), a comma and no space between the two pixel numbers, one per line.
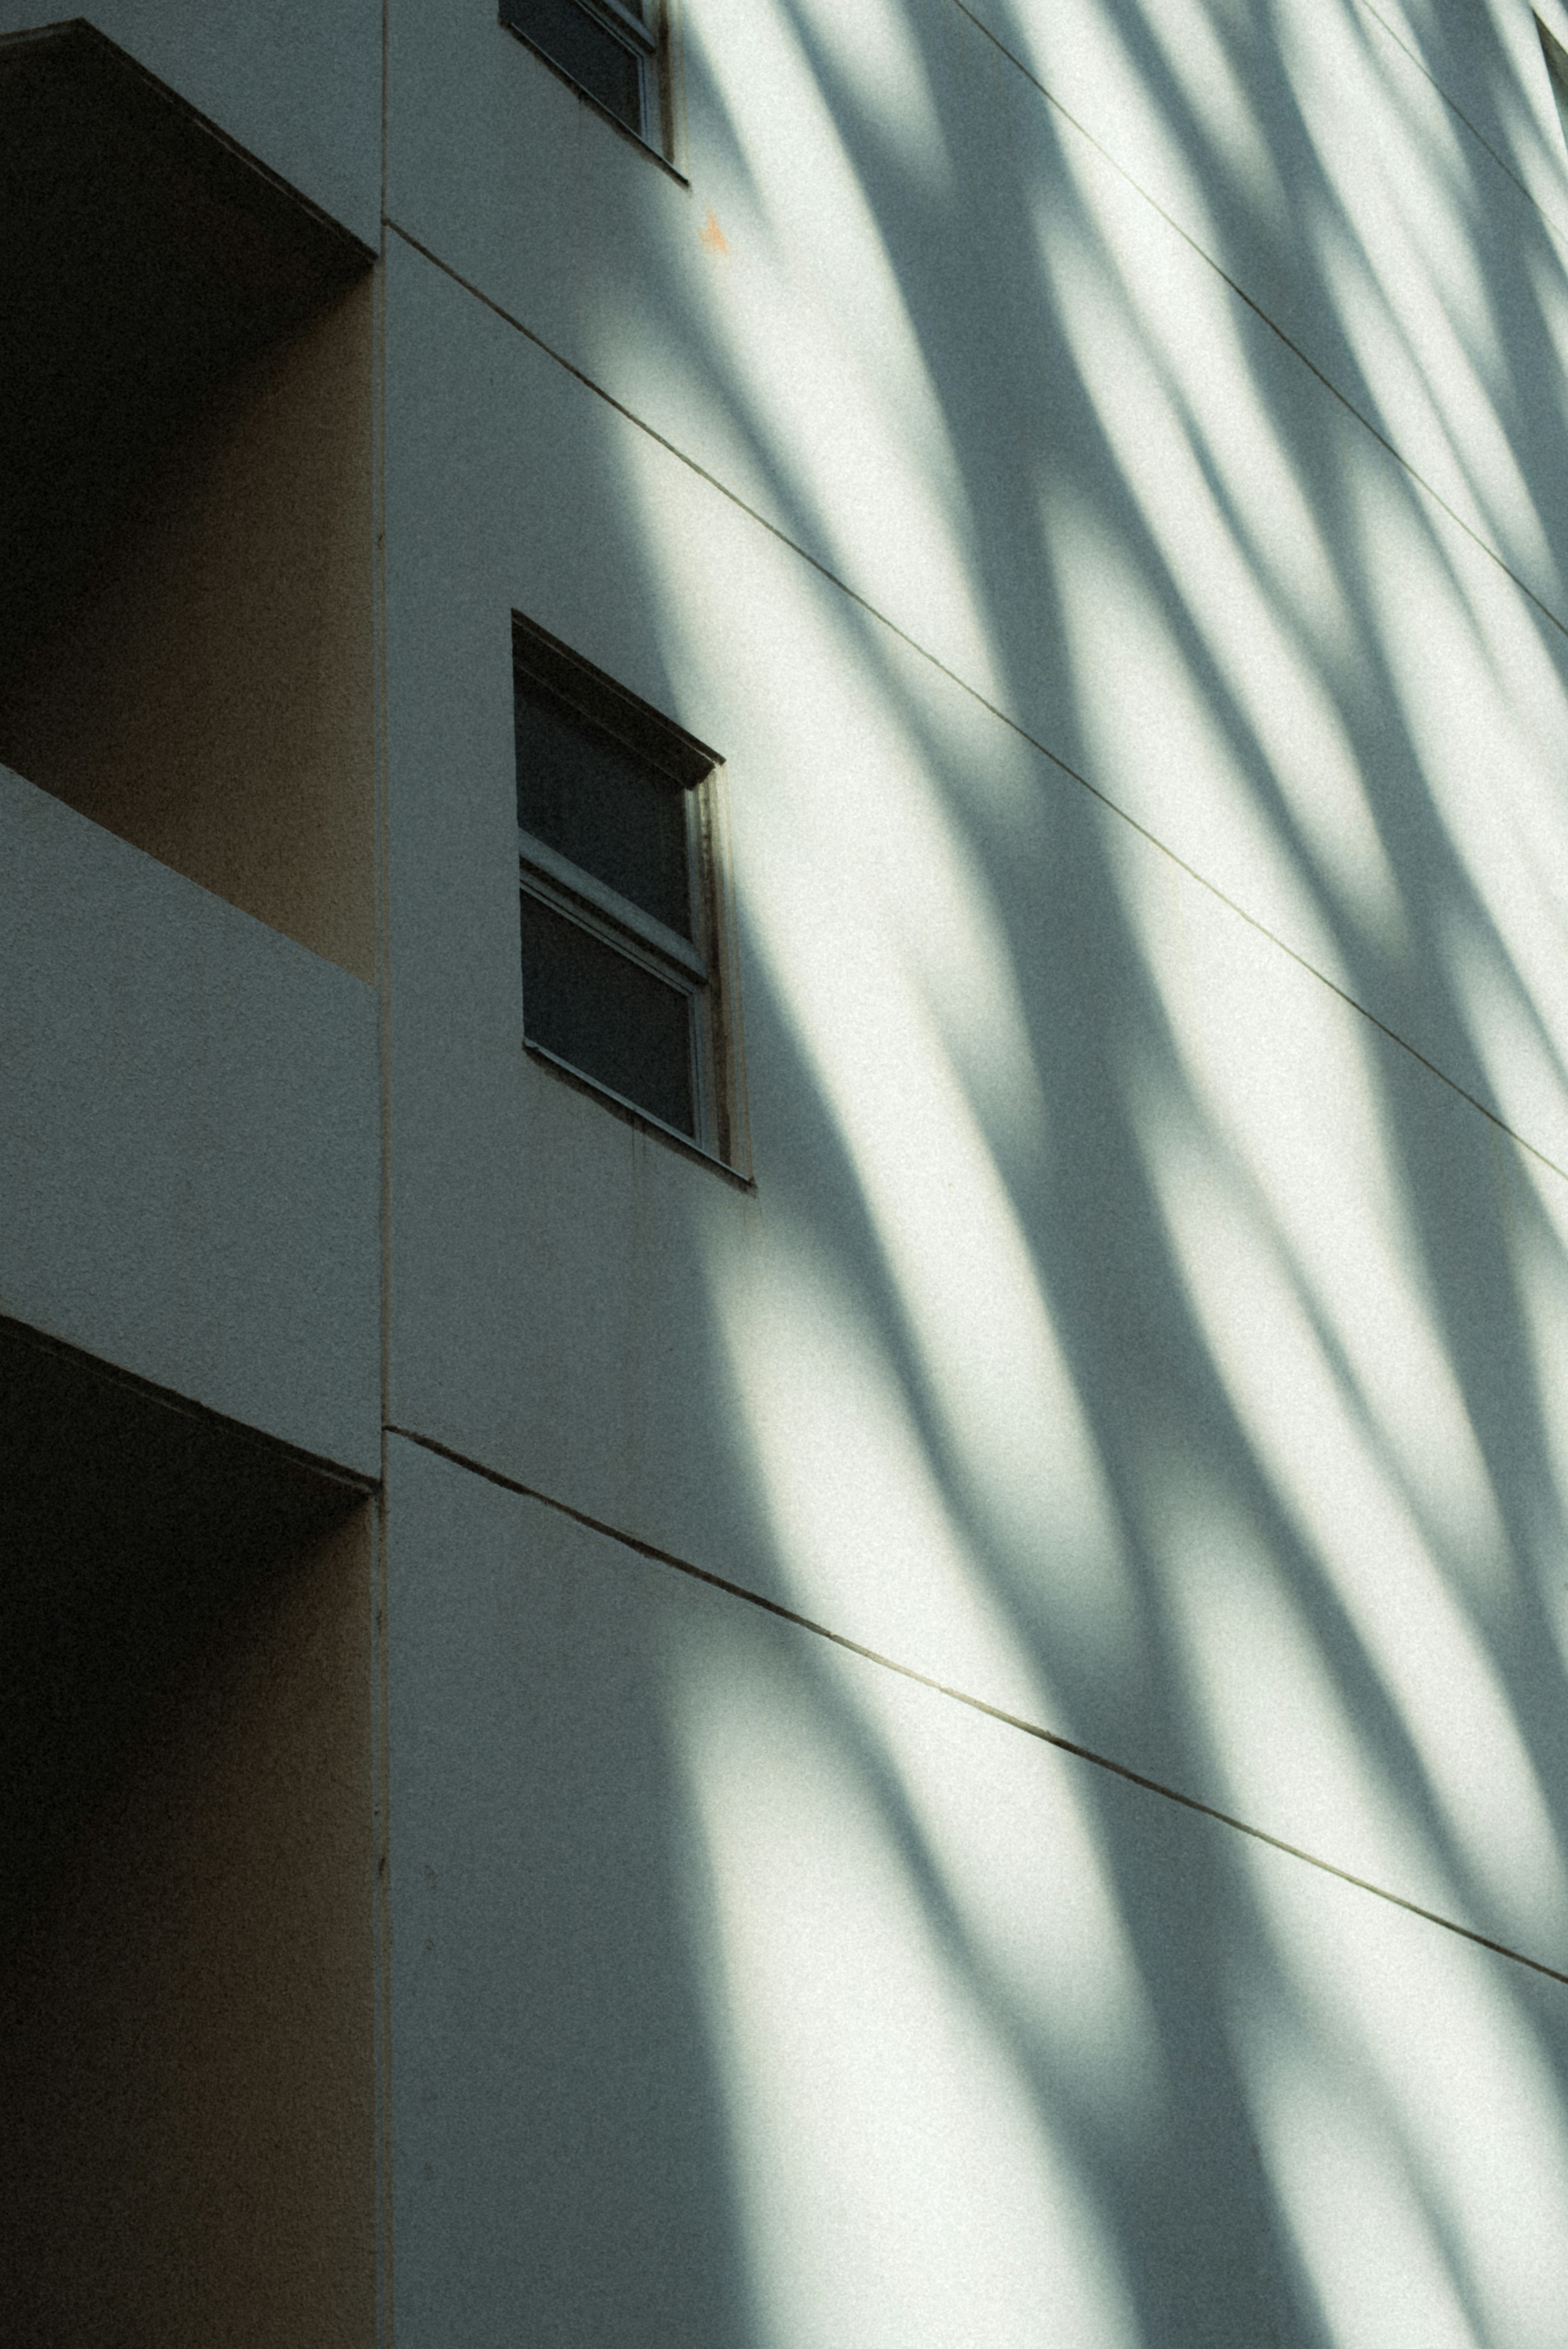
(1075,1192)
(747,1992)
(1102,495)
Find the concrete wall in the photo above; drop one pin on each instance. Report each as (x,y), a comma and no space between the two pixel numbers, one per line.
(747,1992)
(190,2022)
(211,695)
(1094,473)
(1115,550)
(1056,1149)
(189,1160)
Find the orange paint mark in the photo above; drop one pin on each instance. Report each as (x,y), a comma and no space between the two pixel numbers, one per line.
(713,235)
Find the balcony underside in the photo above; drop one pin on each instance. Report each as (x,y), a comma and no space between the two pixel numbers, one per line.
(128,1519)
(143,258)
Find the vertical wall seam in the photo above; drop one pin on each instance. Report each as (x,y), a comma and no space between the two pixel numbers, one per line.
(380,1757)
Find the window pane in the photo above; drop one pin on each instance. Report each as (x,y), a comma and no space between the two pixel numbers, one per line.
(583,45)
(586,796)
(606,1014)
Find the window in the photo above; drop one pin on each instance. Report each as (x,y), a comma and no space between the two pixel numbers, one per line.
(607,49)
(626,982)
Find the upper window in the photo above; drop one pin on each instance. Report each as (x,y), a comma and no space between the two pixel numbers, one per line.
(625,979)
(608,50)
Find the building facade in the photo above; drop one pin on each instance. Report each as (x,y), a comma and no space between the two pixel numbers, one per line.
(783,1217)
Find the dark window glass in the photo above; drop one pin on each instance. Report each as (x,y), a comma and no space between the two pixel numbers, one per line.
(590,798)
(583,46)
(606,1014)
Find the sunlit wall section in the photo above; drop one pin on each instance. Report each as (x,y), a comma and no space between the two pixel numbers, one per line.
(853,2015)
(1181,1386)
(1197,404)
(1094,474)
(1153,1237)
(1228,384)
(1385,184)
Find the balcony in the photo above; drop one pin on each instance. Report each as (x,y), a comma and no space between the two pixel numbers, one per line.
(189,1287)
(189,1158)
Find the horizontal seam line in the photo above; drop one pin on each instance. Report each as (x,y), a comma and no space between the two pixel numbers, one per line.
(1259,312)
(1033,1729)
(974,692)
(1531,198)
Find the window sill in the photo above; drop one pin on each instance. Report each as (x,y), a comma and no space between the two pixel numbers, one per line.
(631,1115)
(606,114)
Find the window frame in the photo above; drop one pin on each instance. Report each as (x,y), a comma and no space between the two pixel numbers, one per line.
(646,39)
(703,968)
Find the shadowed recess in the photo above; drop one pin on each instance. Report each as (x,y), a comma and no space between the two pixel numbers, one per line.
(128,1519)
(146,257)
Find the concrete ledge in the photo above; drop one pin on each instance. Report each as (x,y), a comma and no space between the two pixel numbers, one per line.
(190,1137)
